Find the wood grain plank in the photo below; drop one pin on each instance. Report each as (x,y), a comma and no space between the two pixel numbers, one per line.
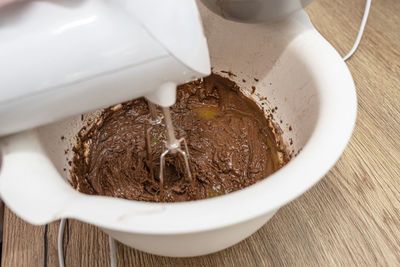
(23,244)
(350,218)
(87,246)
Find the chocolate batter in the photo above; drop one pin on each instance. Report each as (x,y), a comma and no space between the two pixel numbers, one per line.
(230,141)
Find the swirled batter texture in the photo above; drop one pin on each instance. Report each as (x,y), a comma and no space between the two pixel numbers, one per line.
(231,145)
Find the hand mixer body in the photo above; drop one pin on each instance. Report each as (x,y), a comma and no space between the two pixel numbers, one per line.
(60,59)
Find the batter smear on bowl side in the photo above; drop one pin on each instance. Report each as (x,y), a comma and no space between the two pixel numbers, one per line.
(231,145)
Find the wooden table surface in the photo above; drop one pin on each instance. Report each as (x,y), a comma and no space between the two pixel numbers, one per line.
(351,217)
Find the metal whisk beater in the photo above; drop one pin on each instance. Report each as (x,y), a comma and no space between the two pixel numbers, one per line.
(172,145)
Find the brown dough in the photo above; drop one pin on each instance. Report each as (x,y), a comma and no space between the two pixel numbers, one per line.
(230,143)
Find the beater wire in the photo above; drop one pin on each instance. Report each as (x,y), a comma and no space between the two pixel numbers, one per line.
(113,255)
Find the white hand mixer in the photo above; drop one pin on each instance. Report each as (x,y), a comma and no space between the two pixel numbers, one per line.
(59,59)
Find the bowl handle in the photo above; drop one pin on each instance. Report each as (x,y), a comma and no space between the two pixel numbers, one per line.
(30,185)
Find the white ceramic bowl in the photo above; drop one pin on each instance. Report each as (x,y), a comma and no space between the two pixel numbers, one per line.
(298,71)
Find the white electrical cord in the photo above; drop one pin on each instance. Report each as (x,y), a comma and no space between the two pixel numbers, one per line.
(360,31)
(60,243)
(113,254)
